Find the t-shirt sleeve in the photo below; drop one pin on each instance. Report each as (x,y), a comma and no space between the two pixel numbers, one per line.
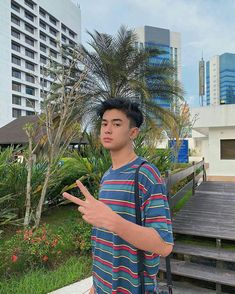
(157,213)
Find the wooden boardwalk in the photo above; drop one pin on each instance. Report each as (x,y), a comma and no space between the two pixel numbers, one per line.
(209,213)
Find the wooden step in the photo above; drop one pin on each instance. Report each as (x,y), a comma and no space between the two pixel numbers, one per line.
(181,227)
(187,288)
(203,251)
(201,272)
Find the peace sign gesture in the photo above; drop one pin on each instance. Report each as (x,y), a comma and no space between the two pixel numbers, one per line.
(94,211)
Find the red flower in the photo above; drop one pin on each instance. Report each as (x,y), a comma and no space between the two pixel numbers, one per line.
(45,258)
(14,258)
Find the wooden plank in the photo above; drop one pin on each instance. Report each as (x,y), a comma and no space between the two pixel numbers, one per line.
(187,288)
(204,233)
(174,178)
(180,194)
(203,251)
(201,272)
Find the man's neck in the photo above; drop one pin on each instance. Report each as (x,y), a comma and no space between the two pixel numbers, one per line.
(122,157)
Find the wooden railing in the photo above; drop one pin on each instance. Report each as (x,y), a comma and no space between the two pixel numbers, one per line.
(197,171)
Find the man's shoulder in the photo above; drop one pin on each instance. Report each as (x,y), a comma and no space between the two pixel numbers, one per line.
(150,171)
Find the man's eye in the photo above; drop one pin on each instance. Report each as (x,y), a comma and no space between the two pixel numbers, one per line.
(103,124)
(117,125)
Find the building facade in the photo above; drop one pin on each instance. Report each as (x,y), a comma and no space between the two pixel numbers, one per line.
(31,32)
(220,79)
(164,40)
(213,137)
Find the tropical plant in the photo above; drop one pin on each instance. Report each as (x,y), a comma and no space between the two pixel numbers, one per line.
(116,68)
(61,112)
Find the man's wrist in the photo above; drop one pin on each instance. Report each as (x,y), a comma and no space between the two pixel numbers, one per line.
(115,224)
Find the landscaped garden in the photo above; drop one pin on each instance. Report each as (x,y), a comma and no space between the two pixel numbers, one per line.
(58,251)
(44,243)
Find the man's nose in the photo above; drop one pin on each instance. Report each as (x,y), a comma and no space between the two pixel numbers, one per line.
(108,129)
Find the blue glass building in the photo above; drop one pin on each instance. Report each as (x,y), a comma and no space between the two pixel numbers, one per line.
(165,41)
(220,79)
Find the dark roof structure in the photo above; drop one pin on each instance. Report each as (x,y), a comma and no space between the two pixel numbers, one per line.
(14,134)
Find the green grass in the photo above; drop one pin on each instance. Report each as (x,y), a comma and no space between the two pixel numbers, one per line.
(43,281)
(182,202)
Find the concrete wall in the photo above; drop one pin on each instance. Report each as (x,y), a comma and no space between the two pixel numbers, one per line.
(214,123)
(217,166)
(5,61)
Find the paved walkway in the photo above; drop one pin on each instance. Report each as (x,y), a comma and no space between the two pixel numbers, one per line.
(81,287)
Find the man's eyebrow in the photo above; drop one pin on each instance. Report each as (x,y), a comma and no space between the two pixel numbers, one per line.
(113,120)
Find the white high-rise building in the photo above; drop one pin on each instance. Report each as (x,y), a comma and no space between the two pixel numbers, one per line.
(30,33)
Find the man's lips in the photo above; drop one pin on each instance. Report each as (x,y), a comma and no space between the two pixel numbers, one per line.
(107,139)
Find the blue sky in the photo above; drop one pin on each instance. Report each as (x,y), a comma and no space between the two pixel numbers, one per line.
(206,26)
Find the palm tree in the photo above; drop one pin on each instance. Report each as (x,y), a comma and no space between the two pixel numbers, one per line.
(116,68)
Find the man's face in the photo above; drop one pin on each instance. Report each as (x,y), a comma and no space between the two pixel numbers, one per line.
(115,132)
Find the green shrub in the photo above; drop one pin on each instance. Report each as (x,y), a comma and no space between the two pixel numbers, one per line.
(29,249)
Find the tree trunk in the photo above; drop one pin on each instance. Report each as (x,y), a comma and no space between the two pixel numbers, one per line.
(28,187)
(43,193)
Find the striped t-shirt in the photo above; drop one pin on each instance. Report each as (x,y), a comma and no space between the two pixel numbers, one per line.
(115,268)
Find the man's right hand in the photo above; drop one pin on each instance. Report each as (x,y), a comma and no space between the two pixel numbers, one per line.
(92,290)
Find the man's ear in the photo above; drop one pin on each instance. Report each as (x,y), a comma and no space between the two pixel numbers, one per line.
(134,132)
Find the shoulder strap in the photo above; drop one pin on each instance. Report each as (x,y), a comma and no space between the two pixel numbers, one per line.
(137,196)
(140,252)
(139,222)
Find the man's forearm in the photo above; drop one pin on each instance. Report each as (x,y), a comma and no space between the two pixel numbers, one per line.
(143,238)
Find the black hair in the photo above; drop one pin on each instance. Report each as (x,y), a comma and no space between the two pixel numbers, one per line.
(131,109)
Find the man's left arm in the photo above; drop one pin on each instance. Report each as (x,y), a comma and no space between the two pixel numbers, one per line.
(99,214)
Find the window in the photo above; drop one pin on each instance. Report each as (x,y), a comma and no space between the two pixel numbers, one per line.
(71,43)
(29,78)
(44,71)
(16,60)
(42,12)
(43,48)
(43,59)
(15,19)
(29,4)
(30,90)
(30,112)
(16,100)
(42,24)
(15,33)
(227,149)
(30,103)
(15,46)
(16,73)
(53,20)
(71,34)
(43,83)
(29,65)
(43,36)
(29,41)
(29,28)
(16,112)
(63,38)
(63,27)
(29,53)
(53,53)
(53,43)
(43,94)
(29,15)
(53,32)
(16,87)
(15,6)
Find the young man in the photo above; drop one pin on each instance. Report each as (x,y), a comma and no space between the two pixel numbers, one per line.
(116,236)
